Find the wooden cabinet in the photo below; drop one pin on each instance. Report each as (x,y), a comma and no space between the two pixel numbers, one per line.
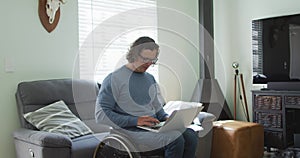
(279,113)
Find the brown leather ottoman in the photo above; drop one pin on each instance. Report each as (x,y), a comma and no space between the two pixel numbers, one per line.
(237,139)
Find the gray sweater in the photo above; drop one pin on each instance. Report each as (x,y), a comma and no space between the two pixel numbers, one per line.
(125,95)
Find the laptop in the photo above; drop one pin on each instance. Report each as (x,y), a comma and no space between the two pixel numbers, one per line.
(179,119)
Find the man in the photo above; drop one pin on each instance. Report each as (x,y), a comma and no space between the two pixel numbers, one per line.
(130,96)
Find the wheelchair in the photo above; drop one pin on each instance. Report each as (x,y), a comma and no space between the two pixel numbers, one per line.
(117,145)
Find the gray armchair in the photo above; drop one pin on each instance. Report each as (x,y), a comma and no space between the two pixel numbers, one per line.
(80,97)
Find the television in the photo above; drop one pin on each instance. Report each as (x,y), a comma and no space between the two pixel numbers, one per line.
(276,50)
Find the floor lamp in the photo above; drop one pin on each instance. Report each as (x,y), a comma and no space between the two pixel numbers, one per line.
(239,82)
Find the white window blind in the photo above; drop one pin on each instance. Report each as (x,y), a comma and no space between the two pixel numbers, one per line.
(106,30)
(257,30)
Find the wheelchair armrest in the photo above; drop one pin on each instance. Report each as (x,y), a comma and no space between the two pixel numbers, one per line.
(42,138)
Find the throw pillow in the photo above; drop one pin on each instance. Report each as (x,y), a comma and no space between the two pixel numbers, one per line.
(58,118)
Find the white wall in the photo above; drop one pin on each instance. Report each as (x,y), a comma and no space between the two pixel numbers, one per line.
(233,37)
(178,38)
(35,54)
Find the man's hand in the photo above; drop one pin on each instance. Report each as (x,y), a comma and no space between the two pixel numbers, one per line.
(147,121)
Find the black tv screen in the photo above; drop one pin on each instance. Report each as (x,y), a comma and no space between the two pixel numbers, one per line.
(276,49)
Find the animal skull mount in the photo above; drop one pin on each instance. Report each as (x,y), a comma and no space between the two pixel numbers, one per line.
(49,13)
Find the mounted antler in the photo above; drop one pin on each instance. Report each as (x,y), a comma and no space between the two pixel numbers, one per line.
(49,13)
(51,7)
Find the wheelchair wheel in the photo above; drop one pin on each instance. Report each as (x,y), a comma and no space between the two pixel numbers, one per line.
(115,146)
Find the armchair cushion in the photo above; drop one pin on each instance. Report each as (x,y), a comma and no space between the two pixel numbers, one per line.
(42,138)
(58,118)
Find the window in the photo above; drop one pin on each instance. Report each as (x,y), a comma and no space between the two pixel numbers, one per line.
(106,30)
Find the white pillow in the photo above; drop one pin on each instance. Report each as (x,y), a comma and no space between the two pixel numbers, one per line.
(58,118)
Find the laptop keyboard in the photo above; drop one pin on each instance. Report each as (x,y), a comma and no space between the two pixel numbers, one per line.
(157,126)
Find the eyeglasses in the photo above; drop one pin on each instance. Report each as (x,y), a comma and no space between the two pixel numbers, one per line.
(148,60)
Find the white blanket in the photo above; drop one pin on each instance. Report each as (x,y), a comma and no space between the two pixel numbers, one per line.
(176,105)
